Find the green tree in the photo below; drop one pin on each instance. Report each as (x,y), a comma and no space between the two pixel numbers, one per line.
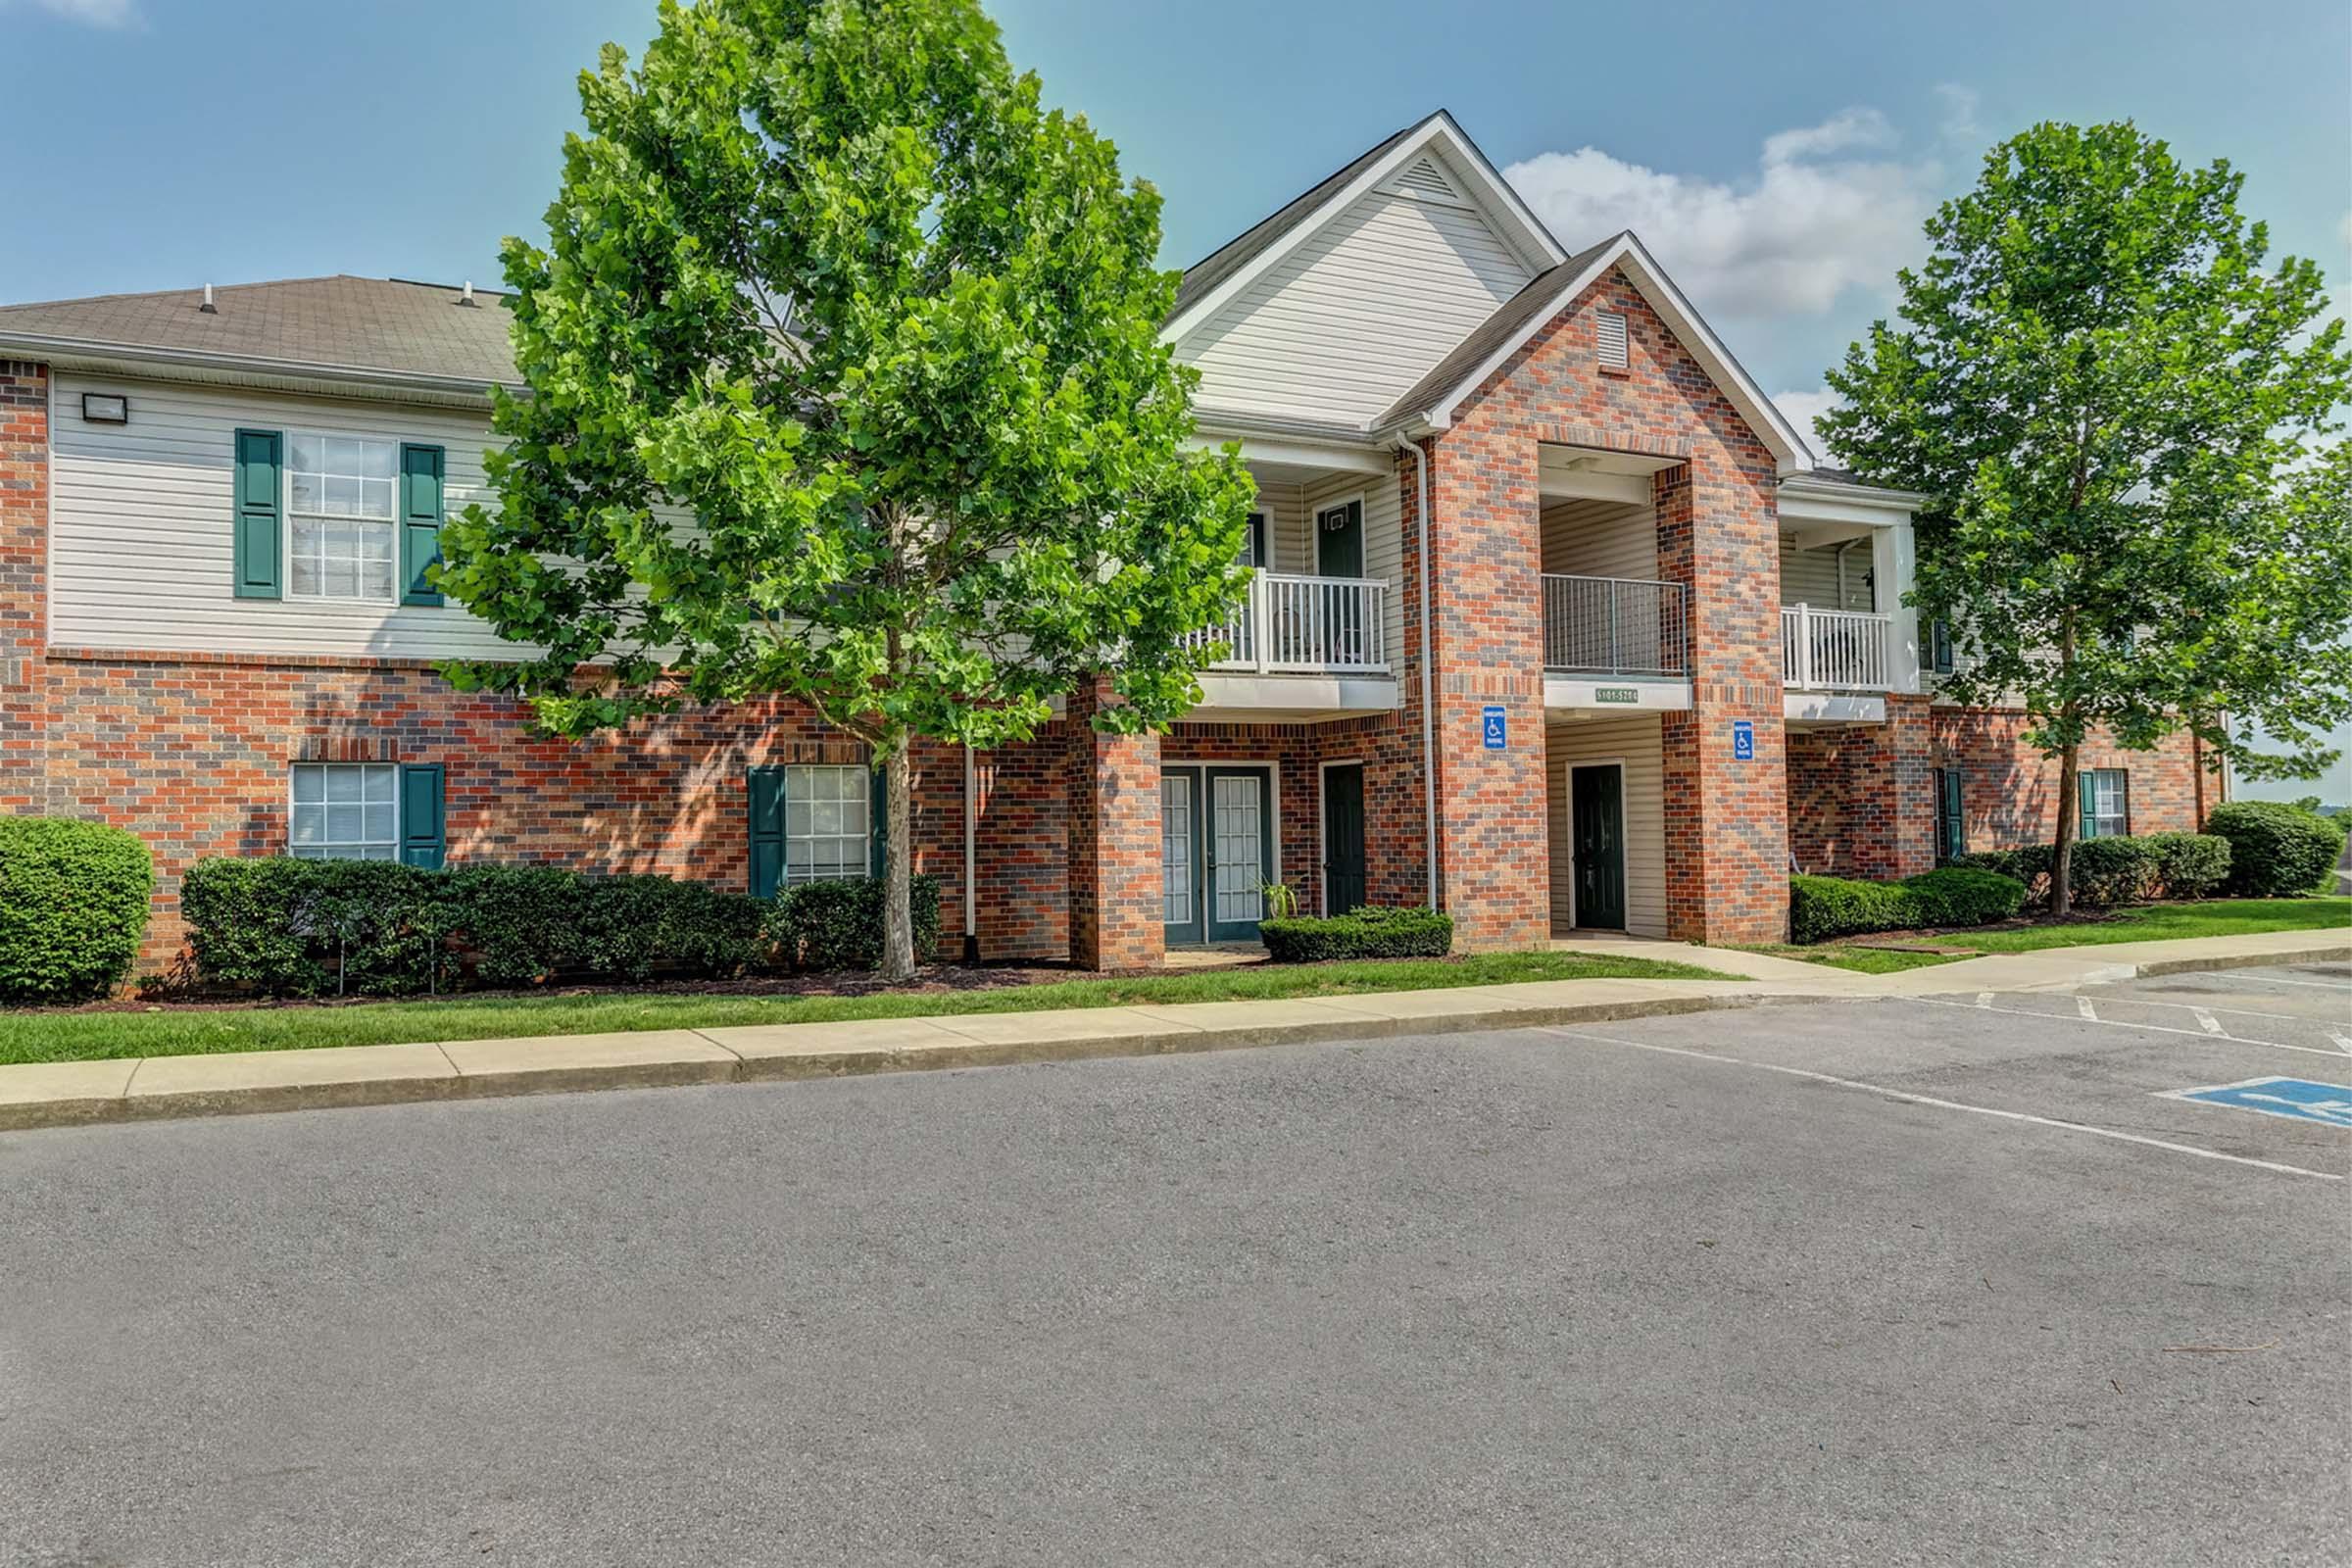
(846,386)
(2121,421)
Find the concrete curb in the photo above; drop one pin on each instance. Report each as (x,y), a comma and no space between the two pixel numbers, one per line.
(81,1092)
(715,1063)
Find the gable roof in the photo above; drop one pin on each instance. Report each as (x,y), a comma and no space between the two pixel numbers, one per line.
(1217,276)
(359,328)
(1517,319)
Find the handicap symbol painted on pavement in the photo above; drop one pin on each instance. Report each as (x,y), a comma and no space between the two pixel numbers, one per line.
(2279,1097)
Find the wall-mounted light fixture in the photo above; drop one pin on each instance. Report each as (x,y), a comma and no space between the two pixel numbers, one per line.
(106,408)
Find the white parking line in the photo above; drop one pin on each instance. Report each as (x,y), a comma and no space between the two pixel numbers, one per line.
(2342,987)
(1984,999)
(1952,1104)
(2118,1023)
(2083,1010)
(2341,1044)
(2207,1021)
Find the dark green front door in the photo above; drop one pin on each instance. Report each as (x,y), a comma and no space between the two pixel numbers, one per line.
(1342,838)
(1340,541)
(1597,823)
(1216,847)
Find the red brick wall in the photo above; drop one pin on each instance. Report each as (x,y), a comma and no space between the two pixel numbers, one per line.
(1115,896)
(191,753)
(1718,532)
(1861,796)
(24,555)
(1022,840)
(2009,792)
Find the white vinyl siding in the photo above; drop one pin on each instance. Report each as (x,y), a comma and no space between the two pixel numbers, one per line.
(1339,329)
(1811,576)
(1636,743)
(141,543)
(1600,539)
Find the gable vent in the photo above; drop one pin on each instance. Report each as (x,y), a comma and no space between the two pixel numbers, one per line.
(1608,338)
(1425,180)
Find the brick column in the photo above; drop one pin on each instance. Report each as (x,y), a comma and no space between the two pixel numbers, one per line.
(1488,624)
(1727,822)
(24,576)
(1115,911)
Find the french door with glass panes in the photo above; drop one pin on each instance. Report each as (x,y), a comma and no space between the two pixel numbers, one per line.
(1216,852)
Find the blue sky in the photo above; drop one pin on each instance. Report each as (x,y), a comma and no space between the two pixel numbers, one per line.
(1778,159)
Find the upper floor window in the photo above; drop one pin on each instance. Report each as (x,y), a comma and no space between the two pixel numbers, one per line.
(2106,802)
(345,810)
(341,507)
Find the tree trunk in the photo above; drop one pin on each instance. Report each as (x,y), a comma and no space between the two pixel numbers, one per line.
(2061,853)
(897,860)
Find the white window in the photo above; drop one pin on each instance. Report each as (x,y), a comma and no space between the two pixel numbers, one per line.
(341,495)
(345,812)
(826,818)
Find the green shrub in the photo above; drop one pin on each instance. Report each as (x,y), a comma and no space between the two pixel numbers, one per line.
(72,907)
(2113,870)
(289,927)
(1958,895)
(2028,864)
(1370,932)
(2189,866)
(2274,849)
(838,925)
(1823,906)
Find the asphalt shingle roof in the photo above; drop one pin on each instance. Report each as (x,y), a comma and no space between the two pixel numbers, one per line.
(351,323)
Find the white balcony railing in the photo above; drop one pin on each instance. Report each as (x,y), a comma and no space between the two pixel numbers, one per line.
(1835,650)
(1613,626)
(1306,625)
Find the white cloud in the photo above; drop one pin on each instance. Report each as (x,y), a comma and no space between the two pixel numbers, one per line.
(97,13)
(1802,409)
(1959,113)
(1814,222)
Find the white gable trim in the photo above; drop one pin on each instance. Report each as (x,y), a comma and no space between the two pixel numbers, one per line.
(1646,275)
(1516,222)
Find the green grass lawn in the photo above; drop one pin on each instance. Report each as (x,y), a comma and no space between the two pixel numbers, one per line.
(64,1036)
(2155,922)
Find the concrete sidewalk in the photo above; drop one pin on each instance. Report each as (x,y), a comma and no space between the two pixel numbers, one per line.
(56,1094)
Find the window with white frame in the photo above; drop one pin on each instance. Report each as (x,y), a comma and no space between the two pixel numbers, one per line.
(828,816)
(342,535)
(345,812)
(2106,802)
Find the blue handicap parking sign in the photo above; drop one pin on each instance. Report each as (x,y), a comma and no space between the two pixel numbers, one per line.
(1744,741)
(1494,727)
(2280,1096)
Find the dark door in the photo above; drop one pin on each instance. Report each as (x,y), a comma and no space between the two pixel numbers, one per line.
(1343,839)
(1340,541)
(1596,821)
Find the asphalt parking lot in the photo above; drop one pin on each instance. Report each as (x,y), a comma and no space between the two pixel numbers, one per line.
(1959,1280)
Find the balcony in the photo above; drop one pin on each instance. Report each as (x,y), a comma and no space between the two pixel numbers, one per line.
(1835,650)
(1298,625)
(1631,628)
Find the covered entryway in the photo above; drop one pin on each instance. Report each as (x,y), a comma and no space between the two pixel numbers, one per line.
(1605,781)
(1216,847)
(1596,822)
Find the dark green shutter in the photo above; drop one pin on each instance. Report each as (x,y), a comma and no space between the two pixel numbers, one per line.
(1949,806)
(877,822)
(1940,639)
(259,463)
(423,838)
(2086,796)
(420,472)
(766,788)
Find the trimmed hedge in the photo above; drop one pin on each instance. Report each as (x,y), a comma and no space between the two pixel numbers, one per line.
(2276,849)
(72,907)
(1823,906)
(838,925)
(2118,870)
(1370,932)
(306,928)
